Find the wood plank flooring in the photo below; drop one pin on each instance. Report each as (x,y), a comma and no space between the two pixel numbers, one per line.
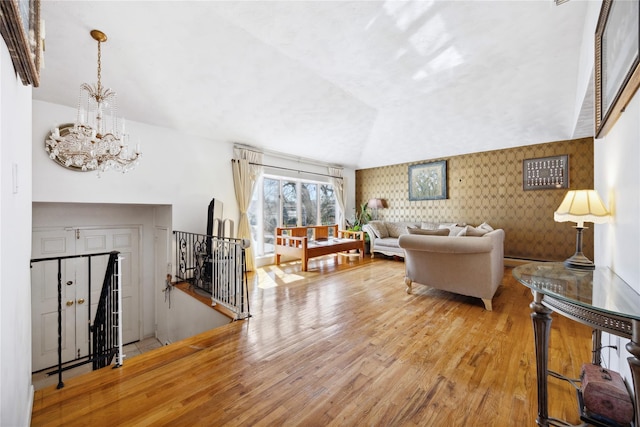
(339,345)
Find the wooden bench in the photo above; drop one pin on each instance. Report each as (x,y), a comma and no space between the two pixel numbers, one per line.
(314,241)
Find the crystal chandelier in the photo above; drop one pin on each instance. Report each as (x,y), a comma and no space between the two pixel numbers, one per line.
(97,140)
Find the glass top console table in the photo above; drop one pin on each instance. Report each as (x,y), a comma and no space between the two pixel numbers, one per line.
(597,298)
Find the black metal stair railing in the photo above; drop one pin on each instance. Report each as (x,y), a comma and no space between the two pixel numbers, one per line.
(105,333)
(107,340)
(217,266)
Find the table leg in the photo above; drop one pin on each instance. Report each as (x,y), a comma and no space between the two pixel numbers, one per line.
(541,318)
(596,347)
(633,347)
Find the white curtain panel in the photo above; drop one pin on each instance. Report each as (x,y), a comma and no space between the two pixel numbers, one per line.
(337,181)
(246,171)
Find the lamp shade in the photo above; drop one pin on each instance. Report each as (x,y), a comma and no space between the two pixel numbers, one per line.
(374,204)
(582,206)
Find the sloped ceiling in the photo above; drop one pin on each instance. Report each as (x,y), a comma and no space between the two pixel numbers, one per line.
(360,84)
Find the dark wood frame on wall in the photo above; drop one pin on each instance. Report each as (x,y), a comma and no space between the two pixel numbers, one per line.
(545,173)
(20,28)
(617,51)
(428,181)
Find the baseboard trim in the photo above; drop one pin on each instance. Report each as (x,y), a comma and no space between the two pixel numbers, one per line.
(32,391)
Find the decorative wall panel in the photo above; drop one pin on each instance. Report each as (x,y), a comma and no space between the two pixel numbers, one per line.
(488,187)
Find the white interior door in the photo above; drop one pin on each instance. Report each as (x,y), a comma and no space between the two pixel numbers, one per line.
(126,241)
(78,305)
(44,298)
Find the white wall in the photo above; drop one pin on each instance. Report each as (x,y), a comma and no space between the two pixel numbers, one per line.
(16,391)
(617,179)
(185,317)
(176,169)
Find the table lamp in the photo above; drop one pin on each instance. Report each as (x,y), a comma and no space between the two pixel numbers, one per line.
(374,205)
(581,206)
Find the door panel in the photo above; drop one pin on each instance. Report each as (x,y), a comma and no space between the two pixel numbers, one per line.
(125,241)
(87,303)
(44,298)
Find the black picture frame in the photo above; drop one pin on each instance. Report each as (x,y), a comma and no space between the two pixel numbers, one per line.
(428,181)
(617,59)
(20,28)
(545,173)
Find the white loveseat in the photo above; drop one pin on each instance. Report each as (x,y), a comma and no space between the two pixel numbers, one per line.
(471,266)
(383,235)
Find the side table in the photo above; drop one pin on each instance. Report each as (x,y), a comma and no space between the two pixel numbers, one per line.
(597,298)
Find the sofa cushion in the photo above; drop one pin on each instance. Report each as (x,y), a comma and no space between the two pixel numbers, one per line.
(390,242)
(396,229)
(379,229)
(440,232)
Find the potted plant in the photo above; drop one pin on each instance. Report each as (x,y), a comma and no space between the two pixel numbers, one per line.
(361,218)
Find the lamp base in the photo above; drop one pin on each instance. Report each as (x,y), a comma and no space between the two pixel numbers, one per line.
(579,262)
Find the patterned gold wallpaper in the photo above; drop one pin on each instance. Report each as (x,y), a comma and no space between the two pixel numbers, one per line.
(488,187)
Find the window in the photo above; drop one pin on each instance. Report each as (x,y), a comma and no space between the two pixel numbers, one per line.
(309,203)
(286,202)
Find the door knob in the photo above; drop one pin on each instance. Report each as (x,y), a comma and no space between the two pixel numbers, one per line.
(81,301)
(70,282)
(69,303)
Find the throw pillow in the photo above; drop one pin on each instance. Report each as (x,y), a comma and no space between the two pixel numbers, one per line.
(454,230)
(395,229)
(422,232)
(473,231)
(485,226)
(429,226)
(447,224)
(379,229)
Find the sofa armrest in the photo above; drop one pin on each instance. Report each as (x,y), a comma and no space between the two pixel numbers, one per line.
(367,228)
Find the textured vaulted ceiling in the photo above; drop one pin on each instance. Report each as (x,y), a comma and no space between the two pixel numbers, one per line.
(361,83)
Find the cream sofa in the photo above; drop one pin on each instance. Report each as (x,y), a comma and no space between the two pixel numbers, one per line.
(383,235)
(471,266)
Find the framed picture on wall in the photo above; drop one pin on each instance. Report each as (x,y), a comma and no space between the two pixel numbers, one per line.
(545,173)
(428,181)
(617,55)
(20,28)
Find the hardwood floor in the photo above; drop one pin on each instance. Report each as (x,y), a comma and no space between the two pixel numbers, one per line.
(339,345)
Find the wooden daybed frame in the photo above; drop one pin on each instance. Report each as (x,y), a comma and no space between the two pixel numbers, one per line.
(318,240)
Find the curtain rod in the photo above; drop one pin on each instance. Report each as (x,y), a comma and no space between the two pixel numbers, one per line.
(285,156)
(292,170)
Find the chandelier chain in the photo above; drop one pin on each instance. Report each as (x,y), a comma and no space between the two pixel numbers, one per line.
(99,68)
